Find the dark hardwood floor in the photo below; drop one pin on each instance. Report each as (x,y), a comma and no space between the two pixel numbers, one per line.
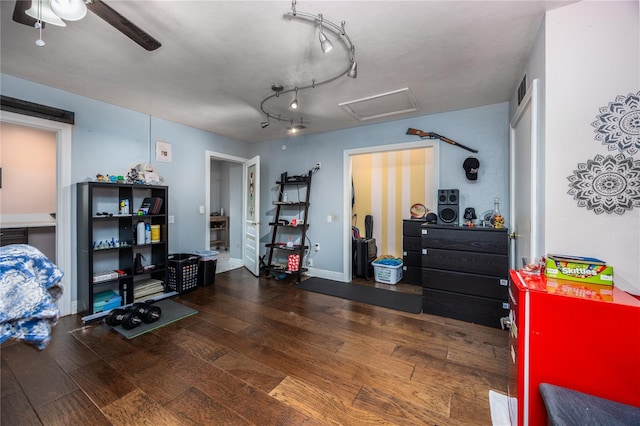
(260,352)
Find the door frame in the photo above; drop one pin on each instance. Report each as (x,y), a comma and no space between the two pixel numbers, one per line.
(531,100)
(208,156)
(346,188)
(64,254)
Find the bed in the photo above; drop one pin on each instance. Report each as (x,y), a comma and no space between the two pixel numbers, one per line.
(29,288)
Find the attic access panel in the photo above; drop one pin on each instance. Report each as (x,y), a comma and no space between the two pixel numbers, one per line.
(382,105)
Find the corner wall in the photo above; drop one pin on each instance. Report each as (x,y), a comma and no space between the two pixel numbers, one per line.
(592,57)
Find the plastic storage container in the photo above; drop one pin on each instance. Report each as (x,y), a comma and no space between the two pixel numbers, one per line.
(389,273)
(183,272)
(208,260)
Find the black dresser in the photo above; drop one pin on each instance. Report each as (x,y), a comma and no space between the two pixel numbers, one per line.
(412,251)
(465,273)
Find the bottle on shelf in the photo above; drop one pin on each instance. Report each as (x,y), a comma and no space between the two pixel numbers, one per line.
(497,219)
(140,232)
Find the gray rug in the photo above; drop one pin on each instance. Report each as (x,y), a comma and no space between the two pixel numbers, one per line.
(171,312)
(366,294)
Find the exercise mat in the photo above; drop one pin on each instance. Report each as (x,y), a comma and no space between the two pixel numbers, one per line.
(171,312)
(405,302)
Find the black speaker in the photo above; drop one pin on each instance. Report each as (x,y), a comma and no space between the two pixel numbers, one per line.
(448,196)
(448,209)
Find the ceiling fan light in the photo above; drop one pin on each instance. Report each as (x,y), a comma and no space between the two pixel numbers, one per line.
(325,44)
(294,102)
(70,10)
(41,10)
(353,70)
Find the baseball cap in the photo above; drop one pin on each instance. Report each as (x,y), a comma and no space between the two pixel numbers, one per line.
(471,166)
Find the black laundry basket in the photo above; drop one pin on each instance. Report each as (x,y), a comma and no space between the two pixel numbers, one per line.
(183,272)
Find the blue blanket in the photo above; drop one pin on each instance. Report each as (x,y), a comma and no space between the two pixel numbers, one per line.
(29,288)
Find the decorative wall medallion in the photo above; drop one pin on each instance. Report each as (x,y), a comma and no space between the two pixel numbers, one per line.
(607,184)
(618,124)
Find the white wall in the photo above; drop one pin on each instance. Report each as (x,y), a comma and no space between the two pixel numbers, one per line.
(592,56)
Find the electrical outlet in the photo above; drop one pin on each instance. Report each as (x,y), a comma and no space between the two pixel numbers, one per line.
(317,247)
(201,209)
(317,166)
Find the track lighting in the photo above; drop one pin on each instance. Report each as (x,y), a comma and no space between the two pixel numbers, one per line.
(325,44)
(351,69)
(294,129)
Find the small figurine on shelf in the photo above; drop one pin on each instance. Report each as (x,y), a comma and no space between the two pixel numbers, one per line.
(132,176)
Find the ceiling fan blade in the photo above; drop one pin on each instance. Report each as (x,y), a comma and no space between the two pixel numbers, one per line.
(123,25)
(20,13)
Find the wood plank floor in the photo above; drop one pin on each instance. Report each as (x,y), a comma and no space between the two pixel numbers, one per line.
(260,352)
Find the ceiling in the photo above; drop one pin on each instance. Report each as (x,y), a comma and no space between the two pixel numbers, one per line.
(219,59)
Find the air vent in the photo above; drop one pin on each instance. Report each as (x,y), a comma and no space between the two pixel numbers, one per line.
(522,89)
(386,104)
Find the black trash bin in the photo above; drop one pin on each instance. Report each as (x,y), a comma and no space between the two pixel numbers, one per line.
(208,259)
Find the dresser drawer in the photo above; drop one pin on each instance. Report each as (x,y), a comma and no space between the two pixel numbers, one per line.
(412,258)
(471,284)
(466,239)
(465,261)
(412,228)
(479,310)
(411,243)
(412,275)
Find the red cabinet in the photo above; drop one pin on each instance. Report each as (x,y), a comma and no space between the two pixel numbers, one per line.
(579,342)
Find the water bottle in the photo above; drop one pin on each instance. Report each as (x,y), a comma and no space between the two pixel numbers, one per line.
(140,231)
(147,233)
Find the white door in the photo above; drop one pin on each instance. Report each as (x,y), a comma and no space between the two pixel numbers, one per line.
(251,216)
(523,209)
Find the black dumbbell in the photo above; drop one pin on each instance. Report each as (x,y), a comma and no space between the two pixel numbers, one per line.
(127,318)
(148,312)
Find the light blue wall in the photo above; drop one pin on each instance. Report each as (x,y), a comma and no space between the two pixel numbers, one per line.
(485,129)
(108,139)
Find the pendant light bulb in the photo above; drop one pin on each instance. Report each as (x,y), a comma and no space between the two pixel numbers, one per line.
(294,102)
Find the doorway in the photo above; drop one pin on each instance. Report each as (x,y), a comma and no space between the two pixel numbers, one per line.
(391,206)
(526,206)
(223,186)
(63,246)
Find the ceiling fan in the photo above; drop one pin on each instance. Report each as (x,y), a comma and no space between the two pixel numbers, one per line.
(105,12)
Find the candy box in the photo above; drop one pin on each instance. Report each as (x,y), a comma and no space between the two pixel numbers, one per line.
(580,290)
(581,269)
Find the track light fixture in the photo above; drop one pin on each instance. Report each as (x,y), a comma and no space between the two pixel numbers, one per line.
(294,102)
(351,70)
(325,44)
